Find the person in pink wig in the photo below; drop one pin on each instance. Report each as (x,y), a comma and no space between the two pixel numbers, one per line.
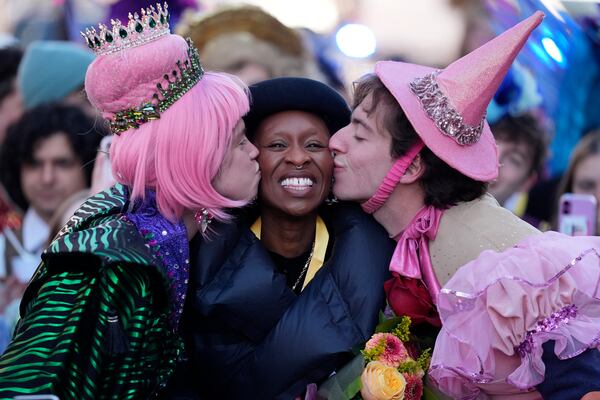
(519,310)
(101,316)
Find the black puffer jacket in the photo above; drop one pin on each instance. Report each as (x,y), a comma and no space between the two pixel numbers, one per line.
(251,337)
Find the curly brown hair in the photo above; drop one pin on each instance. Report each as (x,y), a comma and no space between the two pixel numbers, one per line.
(443,185)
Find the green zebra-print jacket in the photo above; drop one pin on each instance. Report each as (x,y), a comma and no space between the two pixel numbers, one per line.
(94,317)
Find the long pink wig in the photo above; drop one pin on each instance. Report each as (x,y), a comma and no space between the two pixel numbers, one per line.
(179,154)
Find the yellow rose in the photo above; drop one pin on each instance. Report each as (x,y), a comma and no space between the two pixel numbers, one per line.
(380,382)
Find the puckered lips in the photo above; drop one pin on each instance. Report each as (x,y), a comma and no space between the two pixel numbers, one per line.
(337,165)
(298,183)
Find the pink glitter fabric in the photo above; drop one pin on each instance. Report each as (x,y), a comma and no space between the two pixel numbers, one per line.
(391,179)
(498,310)
(547,324)
(439,108)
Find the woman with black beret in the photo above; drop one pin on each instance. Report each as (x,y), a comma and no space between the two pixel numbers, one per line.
(280,298)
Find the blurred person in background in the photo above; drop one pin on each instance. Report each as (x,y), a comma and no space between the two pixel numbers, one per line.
(11,104)
(330,67)
(46,157)
(521,151)
(29,20)
(54,71)
(11,108)
(250,43)
(583,173)
(10,287)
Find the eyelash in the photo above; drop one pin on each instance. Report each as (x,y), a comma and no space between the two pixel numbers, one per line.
(310,145)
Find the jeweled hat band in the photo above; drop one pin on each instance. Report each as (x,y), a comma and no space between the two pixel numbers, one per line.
(438,107)
(179,82)
(152,24)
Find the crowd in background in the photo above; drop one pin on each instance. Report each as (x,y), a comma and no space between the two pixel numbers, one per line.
(54,146)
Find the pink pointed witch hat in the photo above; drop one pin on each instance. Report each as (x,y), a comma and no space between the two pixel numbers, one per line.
(447,107)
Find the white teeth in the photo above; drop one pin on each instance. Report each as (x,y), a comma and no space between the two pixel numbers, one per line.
(304,182)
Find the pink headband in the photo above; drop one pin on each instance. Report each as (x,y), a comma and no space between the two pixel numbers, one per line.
(391,179)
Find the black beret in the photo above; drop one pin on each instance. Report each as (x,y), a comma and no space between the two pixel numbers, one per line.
(290,93)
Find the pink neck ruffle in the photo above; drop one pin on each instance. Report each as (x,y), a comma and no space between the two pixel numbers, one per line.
(411,257)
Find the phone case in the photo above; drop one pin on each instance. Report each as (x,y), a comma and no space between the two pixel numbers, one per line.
(577,214)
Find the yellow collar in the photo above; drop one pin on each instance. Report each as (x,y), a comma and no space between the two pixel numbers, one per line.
(321,240)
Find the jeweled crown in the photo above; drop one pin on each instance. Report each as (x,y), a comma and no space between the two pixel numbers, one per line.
(152,24)
(179,82)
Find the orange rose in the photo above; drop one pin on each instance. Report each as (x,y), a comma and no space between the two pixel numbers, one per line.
(380,382)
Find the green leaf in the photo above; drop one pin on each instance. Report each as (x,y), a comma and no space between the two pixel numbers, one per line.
(341,386)
(402,330)
(353,389)
(428,394)
(409,367)
(424,359)
(387,325)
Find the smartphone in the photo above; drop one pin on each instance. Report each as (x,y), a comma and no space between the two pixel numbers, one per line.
(577,214)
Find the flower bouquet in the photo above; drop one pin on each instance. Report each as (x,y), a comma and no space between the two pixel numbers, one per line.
(391,366)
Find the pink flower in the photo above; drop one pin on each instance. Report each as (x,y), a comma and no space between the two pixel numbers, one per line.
(414,387)
(393,352)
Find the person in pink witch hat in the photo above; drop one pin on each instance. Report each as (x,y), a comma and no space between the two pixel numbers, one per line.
(519,310)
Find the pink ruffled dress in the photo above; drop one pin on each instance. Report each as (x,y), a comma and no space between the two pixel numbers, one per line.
(500,308)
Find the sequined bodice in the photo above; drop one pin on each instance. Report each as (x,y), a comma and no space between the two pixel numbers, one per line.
(169,246)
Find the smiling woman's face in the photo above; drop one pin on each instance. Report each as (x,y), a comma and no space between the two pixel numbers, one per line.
(295,162)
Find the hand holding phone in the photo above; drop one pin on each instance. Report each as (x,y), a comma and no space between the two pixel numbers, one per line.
(577,214)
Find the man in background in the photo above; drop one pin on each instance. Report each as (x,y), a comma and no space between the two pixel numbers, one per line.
(47,156)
